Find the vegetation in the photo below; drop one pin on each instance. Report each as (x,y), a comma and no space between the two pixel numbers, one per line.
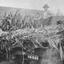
(17,27)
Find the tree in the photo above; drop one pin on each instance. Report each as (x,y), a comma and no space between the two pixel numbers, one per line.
(45,7)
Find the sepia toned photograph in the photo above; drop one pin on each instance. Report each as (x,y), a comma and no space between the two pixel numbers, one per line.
(31,31)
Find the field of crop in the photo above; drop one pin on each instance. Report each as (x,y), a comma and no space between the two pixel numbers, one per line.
(31,24)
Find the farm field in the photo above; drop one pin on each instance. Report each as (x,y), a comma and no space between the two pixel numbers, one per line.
(26,37)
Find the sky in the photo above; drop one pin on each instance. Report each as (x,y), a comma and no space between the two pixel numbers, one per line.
(54,5)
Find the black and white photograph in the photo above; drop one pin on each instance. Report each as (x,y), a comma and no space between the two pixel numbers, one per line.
(31,31)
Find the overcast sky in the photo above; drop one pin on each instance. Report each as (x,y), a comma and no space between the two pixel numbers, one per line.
(34,4)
